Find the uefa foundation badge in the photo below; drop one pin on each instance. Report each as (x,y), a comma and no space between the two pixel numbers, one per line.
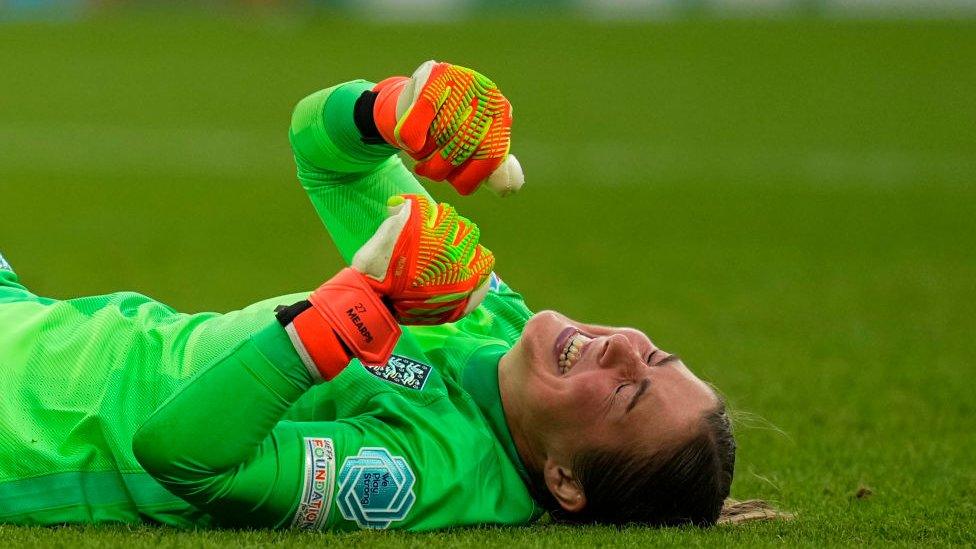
(375,488)
(313,509)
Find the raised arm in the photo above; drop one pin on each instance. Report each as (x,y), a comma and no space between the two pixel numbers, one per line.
(347,180)
(452,120)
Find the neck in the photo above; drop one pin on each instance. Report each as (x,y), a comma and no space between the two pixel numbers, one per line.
(526,445)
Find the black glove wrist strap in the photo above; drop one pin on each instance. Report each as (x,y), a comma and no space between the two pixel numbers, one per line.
(362,115)
(287,313)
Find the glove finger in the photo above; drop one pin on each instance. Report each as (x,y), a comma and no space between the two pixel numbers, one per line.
(466,237)
(469,175)
(414,86)
(483,261)
(423,154)
(412,130)
(417,108)
(420,206)
(428,209)
(436,167)
(492,143)
(447,217)
(465,134)
(414,312)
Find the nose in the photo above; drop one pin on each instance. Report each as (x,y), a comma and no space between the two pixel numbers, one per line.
(618,353)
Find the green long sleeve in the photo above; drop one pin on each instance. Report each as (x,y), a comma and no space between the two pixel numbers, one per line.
(348,183)
(140,412)
(255,475)
(347,180)
(209,442)
(405,446)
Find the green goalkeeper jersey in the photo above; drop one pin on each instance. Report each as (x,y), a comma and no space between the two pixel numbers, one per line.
(118,408)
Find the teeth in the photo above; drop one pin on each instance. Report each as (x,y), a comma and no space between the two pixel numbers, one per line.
(572,352)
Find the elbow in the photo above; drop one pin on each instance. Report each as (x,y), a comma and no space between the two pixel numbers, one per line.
(307,133)
(151,453)
(173,471)
(162,459)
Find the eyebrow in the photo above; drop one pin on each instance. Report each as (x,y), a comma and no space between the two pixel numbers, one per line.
(645,383)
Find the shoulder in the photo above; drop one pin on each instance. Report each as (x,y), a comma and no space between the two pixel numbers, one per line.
(433,467)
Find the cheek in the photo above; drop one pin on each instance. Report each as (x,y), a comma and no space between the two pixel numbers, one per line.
(576,402)
(539,333)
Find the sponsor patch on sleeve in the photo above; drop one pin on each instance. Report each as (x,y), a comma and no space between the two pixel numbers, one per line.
(4,266)
(403,371)
(375,488)
(319,486)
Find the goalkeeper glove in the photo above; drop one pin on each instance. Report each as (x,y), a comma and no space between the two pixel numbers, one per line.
(423,265)
(455,122)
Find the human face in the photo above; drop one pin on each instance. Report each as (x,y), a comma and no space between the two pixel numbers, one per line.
(616,388)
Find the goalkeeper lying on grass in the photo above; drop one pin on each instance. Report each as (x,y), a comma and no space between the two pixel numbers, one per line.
(412,390)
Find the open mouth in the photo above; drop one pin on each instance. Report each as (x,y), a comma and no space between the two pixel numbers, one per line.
(569,348)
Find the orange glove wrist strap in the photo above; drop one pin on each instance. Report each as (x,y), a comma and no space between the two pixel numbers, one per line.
(384,108)
(347,320)
(318,344)
(358,316)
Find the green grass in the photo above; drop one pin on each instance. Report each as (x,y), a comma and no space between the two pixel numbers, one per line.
(790,205)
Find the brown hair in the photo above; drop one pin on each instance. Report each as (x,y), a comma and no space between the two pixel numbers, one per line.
(687,485)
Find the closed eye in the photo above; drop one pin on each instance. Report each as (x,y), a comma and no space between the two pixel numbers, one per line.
(667,359)
(641,391)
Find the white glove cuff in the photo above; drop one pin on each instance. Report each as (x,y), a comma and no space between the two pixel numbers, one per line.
(373,258)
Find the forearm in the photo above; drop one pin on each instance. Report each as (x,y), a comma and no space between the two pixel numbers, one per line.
(327,144)
(196,443)
(347,180)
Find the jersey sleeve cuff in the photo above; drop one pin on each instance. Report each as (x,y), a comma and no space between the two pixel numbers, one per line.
(275,345)
(324,135)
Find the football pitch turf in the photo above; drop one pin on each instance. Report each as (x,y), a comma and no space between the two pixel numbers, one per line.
(788,204)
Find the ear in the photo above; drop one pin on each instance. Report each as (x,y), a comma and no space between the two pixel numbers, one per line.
(564,486)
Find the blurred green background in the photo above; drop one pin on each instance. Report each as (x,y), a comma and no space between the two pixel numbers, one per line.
(787,202)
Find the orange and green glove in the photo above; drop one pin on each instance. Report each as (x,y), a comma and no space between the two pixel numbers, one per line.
(455,122)
(423,265)
(426,260)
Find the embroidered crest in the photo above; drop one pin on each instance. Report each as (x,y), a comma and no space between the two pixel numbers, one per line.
(403,371)
(313,509)
(375,488)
